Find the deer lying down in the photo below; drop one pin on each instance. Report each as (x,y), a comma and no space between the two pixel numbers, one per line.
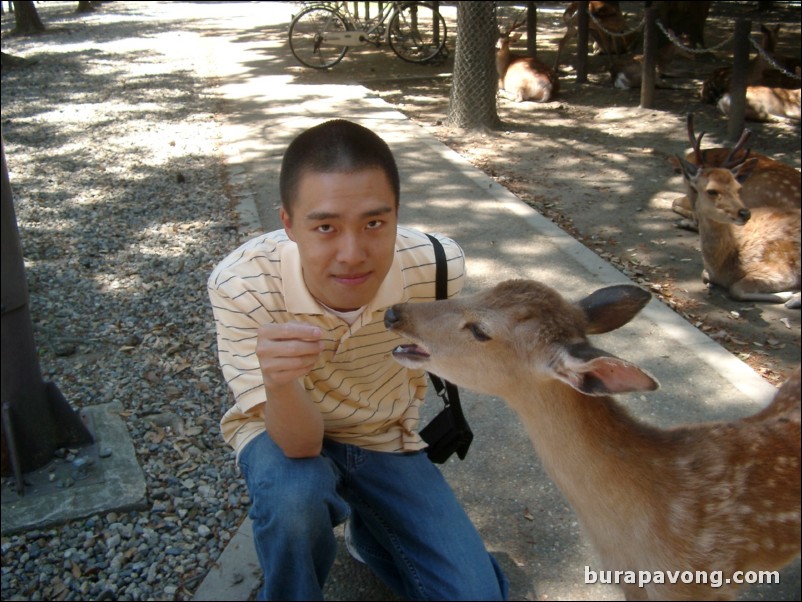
(764,103)
(770,183)
(523,78)
(752,253)
(709,497)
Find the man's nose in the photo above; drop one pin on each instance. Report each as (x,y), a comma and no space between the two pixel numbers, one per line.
(352,250)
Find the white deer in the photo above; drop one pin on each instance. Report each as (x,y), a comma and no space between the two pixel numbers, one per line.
(707,497)
(752,253)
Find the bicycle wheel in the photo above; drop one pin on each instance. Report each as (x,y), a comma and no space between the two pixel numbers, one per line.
(308,30)
(417,33)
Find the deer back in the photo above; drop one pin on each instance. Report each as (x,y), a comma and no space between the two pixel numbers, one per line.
(766,103)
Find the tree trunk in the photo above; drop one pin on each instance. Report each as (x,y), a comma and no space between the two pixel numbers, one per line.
(86,6)
(27,19)
(472,102)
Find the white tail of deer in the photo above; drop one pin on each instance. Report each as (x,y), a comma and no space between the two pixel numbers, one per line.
(752,253)
(770,183)
(703,497)
(523,77)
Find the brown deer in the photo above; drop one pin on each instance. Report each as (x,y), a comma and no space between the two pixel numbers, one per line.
(770,183)
(523,77)
(605,16)
(752,253)
(766,103)
(759,72)
(712,497)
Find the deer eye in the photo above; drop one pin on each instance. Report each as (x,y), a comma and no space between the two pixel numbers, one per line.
(477,332)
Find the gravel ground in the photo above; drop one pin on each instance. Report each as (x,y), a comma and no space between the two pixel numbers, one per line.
(113,147)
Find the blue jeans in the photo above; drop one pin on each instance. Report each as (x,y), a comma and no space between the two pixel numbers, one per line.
(405,520)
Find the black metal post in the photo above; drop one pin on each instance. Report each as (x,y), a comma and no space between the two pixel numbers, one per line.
(40,418)
(740,66)
(649,59)
(582,25)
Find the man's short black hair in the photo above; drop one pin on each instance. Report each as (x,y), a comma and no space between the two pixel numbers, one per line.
(336,146)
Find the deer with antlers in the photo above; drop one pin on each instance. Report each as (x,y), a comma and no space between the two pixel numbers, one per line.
(702,498)
(752,253)
(522,77)
(770,183)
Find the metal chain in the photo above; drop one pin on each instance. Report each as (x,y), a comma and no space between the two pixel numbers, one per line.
(770,60)
(616,34)
(677,42)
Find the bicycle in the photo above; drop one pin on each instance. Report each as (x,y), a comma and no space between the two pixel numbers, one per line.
(321,34)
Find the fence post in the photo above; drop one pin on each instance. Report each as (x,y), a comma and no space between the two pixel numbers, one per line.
(740,66)
(531,29)
(583,20)
(649,59)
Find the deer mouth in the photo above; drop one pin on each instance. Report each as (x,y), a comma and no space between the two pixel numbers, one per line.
(411,353)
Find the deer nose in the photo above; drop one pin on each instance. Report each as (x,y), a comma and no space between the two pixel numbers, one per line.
(391,318)
(745,214)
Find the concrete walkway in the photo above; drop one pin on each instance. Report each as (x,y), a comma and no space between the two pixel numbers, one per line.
(522,517)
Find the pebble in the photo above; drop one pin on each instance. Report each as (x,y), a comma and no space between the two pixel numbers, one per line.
(117,250)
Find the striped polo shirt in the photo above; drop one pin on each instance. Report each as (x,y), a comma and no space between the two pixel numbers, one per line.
(365,396)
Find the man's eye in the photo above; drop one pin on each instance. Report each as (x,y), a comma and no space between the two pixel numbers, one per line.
(376,223)
(325,228)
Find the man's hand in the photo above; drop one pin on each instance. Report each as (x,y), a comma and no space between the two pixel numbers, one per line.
(287,352)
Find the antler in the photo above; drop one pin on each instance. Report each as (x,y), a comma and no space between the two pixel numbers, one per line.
(732,159)
(695,142)
(516,23)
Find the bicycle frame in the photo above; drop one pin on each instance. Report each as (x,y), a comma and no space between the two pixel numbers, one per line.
(364,29)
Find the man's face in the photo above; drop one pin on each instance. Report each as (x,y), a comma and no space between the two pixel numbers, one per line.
(345,228)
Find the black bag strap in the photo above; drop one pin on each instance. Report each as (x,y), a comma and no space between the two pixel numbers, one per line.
(447,391)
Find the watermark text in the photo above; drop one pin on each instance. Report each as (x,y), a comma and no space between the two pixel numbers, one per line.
(713,578)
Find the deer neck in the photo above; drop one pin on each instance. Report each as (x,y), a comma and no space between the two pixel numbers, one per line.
(599,456)
(503,58)
(719,248)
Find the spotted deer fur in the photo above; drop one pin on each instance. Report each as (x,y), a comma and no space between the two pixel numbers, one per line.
(722,496)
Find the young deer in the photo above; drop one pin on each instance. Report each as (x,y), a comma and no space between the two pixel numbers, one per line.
(770,183)
(523,77)
(706,497)
(753,253)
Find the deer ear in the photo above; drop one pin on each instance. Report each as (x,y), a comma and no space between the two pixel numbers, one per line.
(744,170)
(689,170)
(611,307)
(595,372)
(675,164)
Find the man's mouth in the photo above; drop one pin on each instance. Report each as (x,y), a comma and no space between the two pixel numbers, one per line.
(352,279)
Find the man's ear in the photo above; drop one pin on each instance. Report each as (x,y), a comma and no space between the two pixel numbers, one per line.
(287,221)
